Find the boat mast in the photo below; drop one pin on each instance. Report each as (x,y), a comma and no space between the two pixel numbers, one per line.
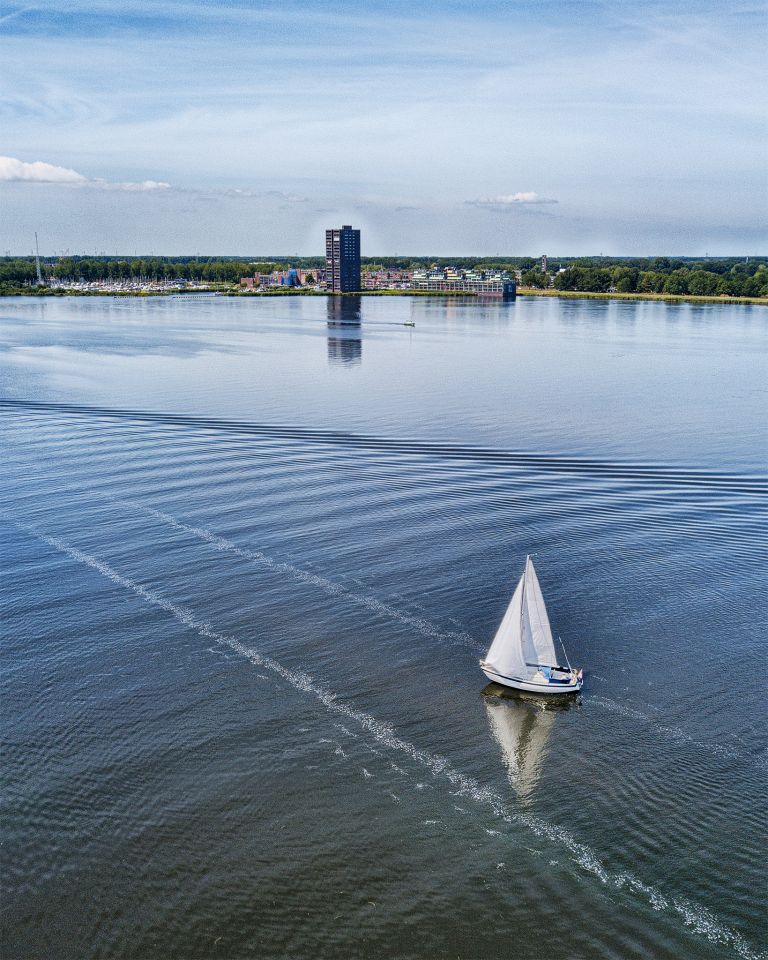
(564,652)
(522,596)
(37,262)
(522,603)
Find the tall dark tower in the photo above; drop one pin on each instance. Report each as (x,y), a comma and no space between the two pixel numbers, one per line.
(342,260)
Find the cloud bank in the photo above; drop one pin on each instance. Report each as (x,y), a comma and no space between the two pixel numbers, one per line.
(627,117)
(511,199)
(37,172)
(14,170)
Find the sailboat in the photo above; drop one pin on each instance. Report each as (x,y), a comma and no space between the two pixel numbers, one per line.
(522,654)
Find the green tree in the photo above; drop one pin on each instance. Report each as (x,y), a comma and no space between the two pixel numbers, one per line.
(625,279)
(651,281)
(677,282)
(701,283)
(535,278)
(565,280)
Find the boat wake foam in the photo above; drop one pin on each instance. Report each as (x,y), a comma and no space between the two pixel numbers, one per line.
(695,918)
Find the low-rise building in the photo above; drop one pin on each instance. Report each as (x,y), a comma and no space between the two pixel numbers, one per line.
(293,277)
(387,279)
(482,283)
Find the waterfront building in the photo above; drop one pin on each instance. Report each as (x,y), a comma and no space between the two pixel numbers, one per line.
(342,260)
(293,277)
(290,278)
(483,283)
(387,279)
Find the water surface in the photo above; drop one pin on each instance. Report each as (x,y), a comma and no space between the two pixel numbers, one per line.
(253,551)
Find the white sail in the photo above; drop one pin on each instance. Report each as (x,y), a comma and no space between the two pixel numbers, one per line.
(522,731)
(524,638)
(538,644)
(505,655)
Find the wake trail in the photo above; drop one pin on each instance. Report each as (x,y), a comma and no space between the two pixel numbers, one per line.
(677,734)
(434,449)
(303,576)
(669,733)
(424,626)
(696,918)
(421,624)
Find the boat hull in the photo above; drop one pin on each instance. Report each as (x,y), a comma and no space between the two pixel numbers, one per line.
(531,685)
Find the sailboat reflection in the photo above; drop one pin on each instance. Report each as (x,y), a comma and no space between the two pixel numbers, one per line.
(521,724)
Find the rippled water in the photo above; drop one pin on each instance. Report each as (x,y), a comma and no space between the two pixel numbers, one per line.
(252,552)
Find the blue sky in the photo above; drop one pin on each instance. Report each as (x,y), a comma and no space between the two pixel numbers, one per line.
(439,127)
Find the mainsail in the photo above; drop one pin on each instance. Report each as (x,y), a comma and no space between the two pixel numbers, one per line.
(523,641)
(537,632)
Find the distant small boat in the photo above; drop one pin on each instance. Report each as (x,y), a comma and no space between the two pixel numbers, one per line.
(409,323)
(522,654)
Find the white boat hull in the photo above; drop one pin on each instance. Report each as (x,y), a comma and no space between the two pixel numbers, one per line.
(532,685)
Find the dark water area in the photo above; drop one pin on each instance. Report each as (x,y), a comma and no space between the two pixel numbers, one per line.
(252,552)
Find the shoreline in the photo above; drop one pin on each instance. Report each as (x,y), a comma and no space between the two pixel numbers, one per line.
(521,291)
(668,297)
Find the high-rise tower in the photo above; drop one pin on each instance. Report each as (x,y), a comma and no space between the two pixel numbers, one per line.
(342,260)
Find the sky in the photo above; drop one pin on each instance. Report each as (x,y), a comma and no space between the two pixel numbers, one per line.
(466,128)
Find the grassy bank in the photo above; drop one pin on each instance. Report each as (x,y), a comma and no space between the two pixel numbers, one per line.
(228,291)
(299,292)
(13,291)
(668,297)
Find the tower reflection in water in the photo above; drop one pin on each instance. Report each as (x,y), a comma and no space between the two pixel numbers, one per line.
(345,338)
(522,724)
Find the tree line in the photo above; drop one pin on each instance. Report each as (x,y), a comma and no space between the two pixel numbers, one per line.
(727,276)
(22,270)
(741,280)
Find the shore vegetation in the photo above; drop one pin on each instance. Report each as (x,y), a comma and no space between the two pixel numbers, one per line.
(742,279)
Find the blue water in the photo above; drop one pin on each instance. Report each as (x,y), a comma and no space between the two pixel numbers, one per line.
(252,551)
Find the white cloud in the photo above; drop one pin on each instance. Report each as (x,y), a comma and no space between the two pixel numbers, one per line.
(141,185)
(509,199)
(12,169)
(280,195)
(38,172)
(287,197)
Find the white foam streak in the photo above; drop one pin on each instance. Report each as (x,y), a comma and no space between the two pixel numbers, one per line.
(696,918)
(676,734)
(328,586)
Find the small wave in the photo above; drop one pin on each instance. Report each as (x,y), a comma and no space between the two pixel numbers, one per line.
(637,471)
(675,734)
(696,918)
(420,623)
(297,573)
(344,730)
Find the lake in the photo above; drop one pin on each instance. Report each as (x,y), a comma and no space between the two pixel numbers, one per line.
(253,551)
